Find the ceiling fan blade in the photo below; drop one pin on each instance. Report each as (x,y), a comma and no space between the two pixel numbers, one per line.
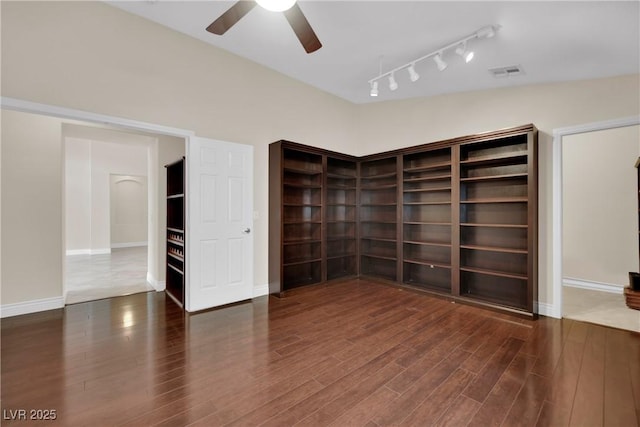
(231,17)
(302,29)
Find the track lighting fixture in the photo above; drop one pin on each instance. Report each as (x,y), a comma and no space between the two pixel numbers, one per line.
(393,85)
(461,50)
(460,47)
(486,32)
(440,62)
(374,89)
(413,76)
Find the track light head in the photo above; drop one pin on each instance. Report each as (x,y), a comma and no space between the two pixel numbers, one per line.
(486,32)
(412,73)
(440,62)
(461,50)
(393,85)
(374,89)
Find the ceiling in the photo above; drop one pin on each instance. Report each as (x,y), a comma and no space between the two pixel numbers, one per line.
(551,41)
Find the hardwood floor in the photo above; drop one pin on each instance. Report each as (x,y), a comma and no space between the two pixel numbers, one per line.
(354,353)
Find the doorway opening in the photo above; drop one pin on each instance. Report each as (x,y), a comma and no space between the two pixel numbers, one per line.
(596,240)
(106,216)
(112,182)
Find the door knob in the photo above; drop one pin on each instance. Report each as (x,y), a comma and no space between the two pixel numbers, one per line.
(246,230)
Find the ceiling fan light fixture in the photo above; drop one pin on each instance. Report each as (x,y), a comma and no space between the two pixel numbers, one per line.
(393,84)
(413,76)
(276,5)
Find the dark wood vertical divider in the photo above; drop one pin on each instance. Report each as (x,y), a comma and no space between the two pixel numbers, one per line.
(457,218)
(399,216)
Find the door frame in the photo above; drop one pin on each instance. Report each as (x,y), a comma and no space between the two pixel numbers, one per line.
(555,309)
(24,106)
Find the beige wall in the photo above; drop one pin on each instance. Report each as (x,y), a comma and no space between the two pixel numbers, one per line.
(106,159)
(32,251)
(32,198)
(106,61)
(77,194)
(389,125)
(88,166)
(124,66)
(129,210)
(600,205)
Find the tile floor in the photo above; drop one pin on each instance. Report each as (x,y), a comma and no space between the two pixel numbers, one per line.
(602,308)
(92,277)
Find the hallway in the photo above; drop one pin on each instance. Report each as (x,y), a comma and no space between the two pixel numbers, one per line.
(93,277)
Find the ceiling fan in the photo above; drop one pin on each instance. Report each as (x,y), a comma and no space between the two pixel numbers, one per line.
(289,8)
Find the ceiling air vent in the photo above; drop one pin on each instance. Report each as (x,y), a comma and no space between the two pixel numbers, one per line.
(511,70)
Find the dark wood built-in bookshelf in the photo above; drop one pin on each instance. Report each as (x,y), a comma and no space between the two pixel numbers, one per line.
(379,218)
(427,237)
(340,217)
(312,216)
(457,218)
(498,209)
(176,249)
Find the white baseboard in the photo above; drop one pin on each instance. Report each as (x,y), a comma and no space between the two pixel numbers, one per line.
(594,286)
(72,252)
(128,245)
(33,306)
(260,290)
(101,251)
(158,285)
(548,310)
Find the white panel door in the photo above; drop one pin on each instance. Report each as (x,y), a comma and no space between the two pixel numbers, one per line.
(219,222)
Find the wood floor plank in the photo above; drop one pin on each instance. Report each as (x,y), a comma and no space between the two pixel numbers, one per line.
(426,362)
(273,407)
(619,403)
(562,387)
(527,406)
(334,390)
(494,341)
(480,388)
(459,413)
(634,366)
(554,415)
(437,403)
(359,414)
(351,397)
(350,353)
(404,404)
(497,405)
(588,404)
